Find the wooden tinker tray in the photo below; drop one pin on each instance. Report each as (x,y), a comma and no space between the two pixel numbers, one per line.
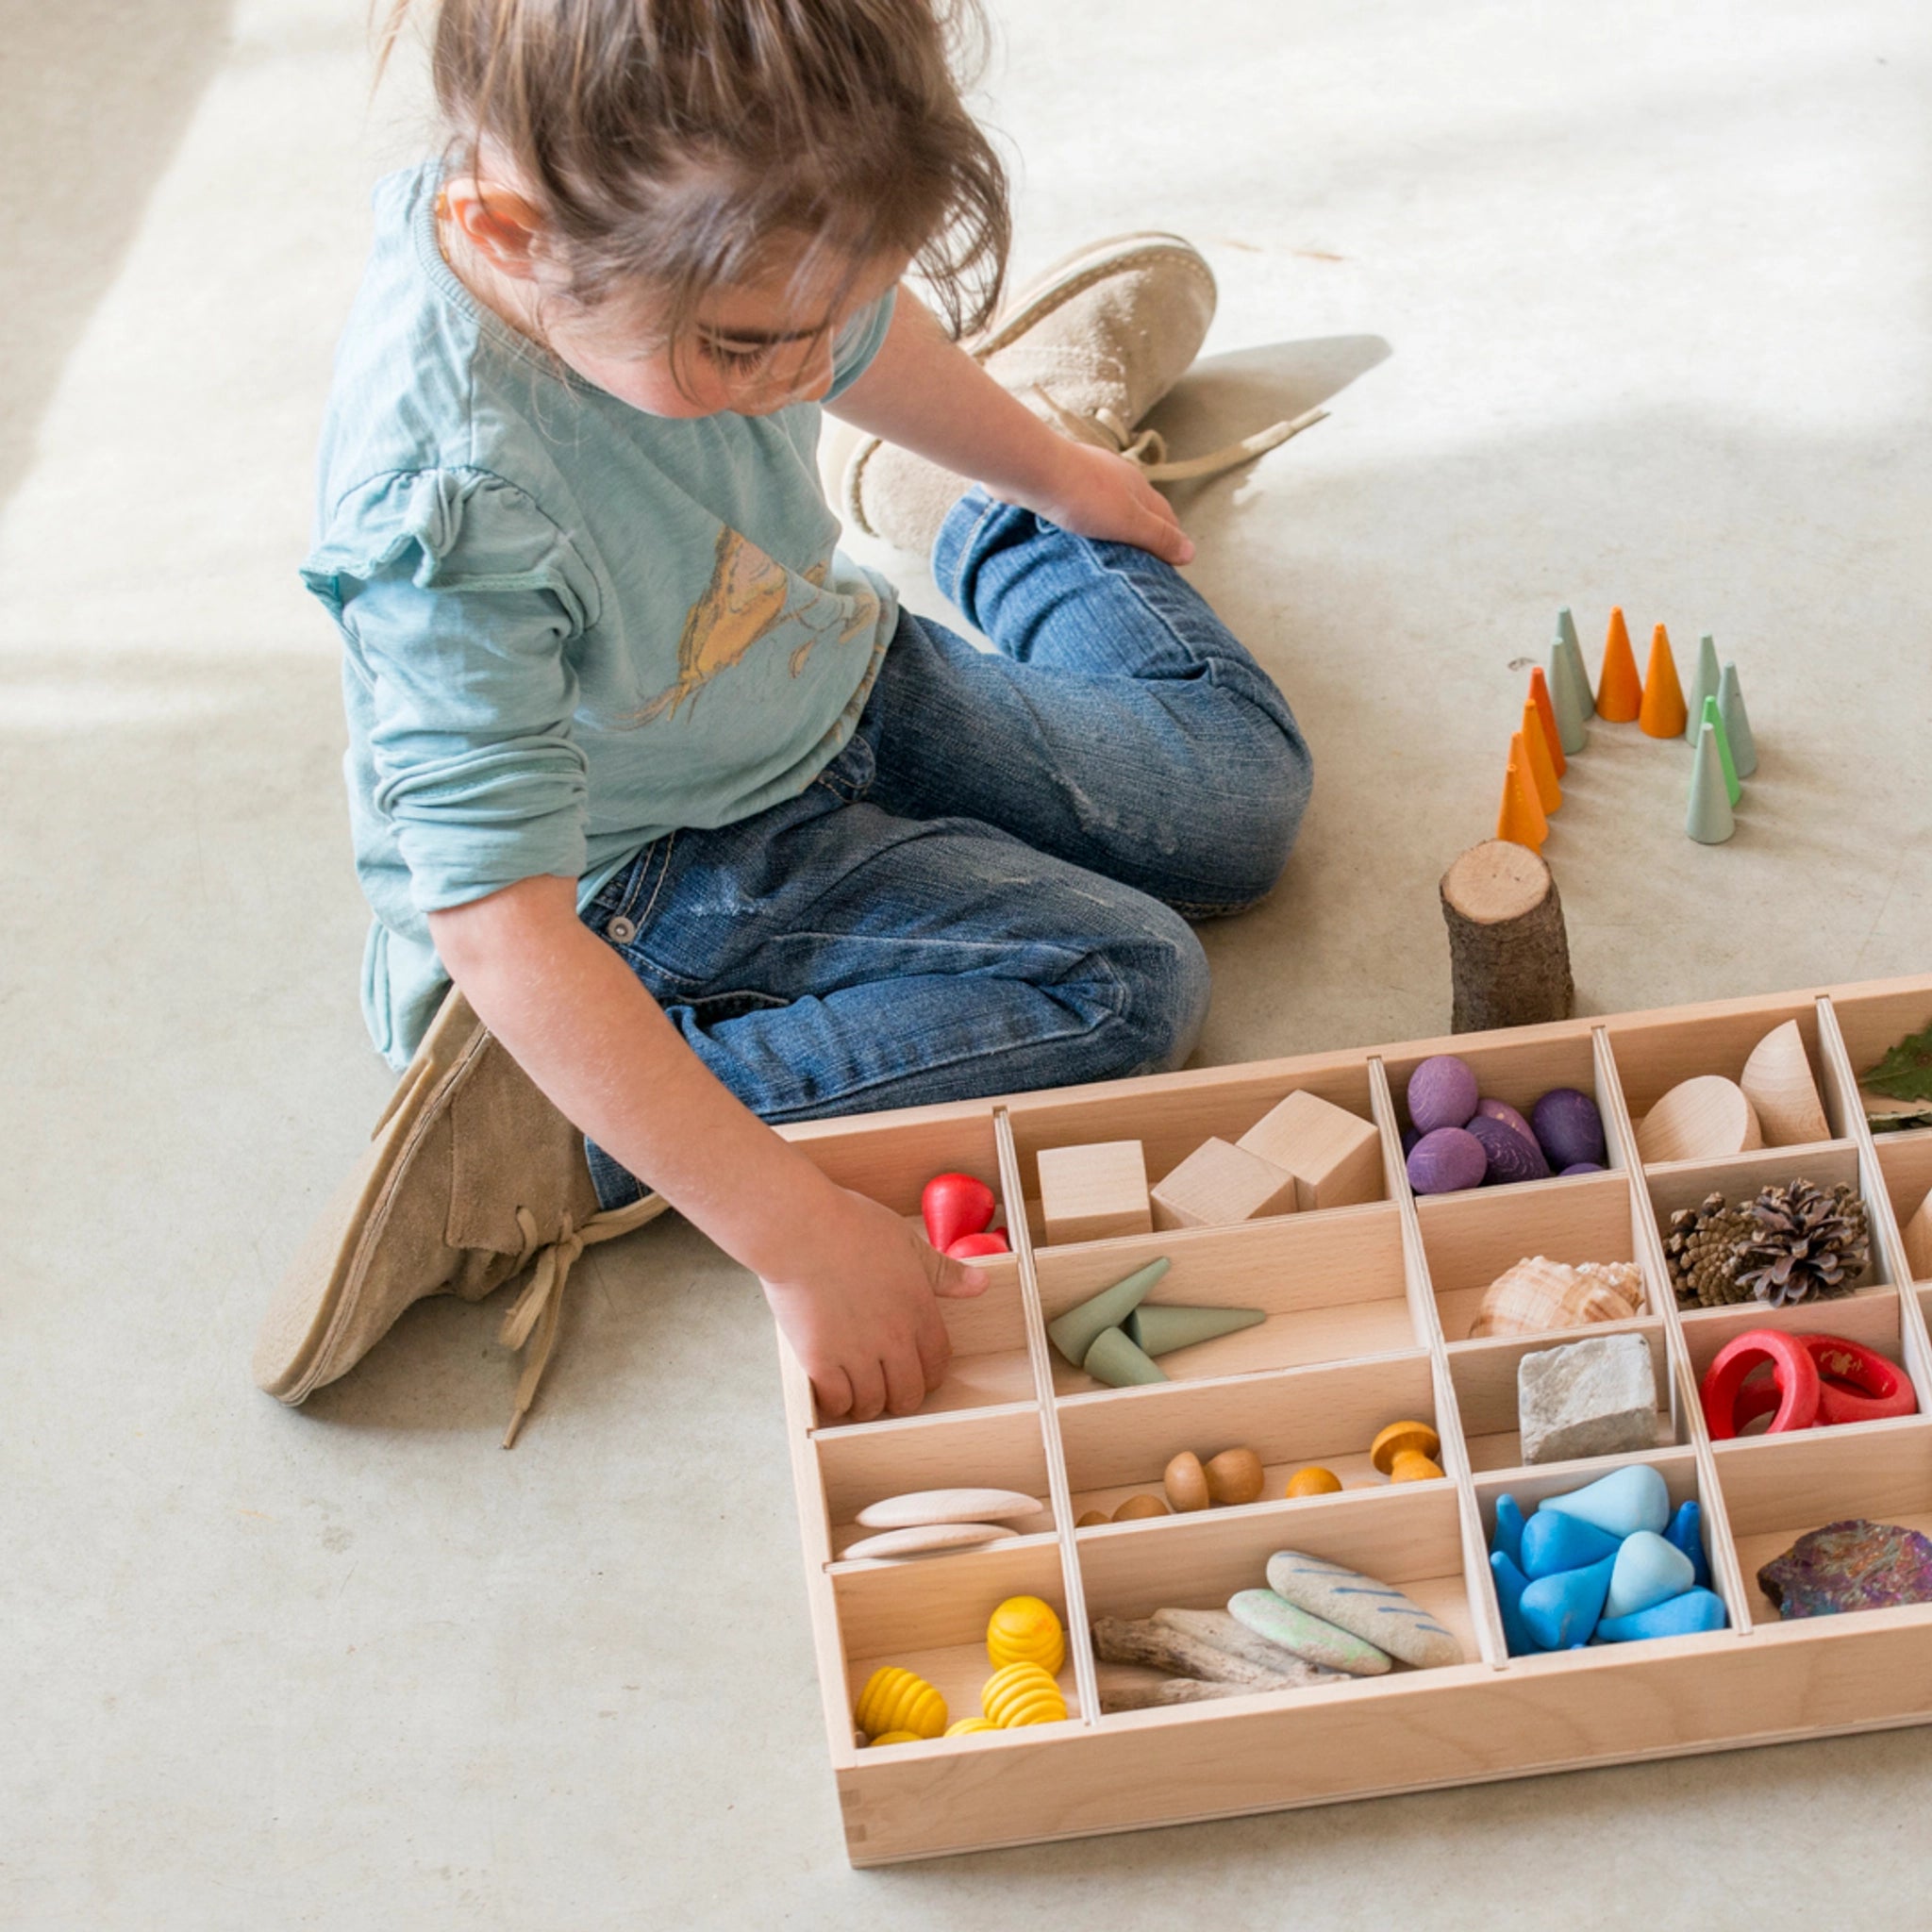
(1367,1310)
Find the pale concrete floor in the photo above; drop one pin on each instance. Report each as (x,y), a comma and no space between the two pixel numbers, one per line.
(1653,283)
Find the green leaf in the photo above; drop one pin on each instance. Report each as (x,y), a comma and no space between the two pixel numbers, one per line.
(1906,1072)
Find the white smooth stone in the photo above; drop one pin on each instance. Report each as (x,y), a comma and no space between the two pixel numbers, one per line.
(926,1537)
(947,1506)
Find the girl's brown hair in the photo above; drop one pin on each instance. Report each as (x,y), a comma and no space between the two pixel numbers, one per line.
(668,144)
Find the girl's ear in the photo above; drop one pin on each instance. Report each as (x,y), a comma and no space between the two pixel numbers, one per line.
(497,223)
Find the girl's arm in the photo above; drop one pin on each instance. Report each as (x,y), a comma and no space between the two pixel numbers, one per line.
(925,392)
(850,1283)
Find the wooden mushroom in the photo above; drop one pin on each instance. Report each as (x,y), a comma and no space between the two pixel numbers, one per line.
(1186,1483)
(1234,1476)
(1405,1451)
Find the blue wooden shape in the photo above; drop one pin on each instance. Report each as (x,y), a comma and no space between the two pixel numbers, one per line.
(1630,1498)
(1552,1542)
(1560,1611)
(1681,1616)
(1511,1584)
(1508,1536)
(1687,1532)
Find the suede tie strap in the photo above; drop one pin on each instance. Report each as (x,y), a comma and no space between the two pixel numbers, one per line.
(1148,450)
(537,1313)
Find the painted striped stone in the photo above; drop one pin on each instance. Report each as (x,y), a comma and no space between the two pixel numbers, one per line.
(1376,1612)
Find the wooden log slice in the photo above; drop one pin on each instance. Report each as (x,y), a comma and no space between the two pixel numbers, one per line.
(1509,952)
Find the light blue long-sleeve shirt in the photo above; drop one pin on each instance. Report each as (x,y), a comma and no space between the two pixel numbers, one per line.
(569,627)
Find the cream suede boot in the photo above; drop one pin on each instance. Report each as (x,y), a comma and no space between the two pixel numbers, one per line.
(1091,346)
(470,1177)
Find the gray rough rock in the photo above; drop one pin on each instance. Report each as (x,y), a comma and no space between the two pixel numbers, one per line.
(1586,1398)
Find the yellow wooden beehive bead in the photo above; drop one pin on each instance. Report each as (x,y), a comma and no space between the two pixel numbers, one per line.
(897,1738)
(1023,1695)
(1025,1630)
(895,1700)
(967,1724)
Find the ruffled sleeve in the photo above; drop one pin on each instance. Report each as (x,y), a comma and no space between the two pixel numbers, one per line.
(460,602)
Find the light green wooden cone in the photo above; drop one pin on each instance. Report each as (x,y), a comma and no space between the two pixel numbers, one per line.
(1709,820)
(1566,642)
(1162,1331)
(1074,1332)
(1115,1360)
(1703,685)
(1737,722)
(1568,697)
(1714,719)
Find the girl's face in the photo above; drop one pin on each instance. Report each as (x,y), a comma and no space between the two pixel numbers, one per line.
(750,349)
(753,348)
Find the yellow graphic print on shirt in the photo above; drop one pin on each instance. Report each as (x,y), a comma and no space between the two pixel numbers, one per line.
(748,598)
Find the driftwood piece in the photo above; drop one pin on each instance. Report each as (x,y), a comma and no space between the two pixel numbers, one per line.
(1128,1687)
(1123,1640)
(1228,1634)
(1508,953)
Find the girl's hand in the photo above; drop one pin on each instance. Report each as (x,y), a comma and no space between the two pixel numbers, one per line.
(861,1313)
(1099,494)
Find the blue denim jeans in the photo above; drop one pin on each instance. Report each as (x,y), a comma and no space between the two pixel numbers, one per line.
(989,889)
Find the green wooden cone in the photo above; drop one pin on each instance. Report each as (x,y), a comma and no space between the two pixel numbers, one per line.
(1566,642)
(1713,718)
(1709,820)
(1737,722)
(1568,697)
(1703,685)
(1115,1360)
(1074,1332)
(1162,1331)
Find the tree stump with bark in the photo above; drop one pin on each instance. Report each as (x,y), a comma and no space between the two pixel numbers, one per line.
(1509,952)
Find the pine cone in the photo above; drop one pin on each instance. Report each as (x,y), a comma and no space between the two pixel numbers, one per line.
(1805,1244)
(1704,1248)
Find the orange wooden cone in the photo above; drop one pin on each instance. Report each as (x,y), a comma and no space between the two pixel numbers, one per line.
(1664,714)
(1542,768)
(1546,711)
(1619,697)
(1521,820)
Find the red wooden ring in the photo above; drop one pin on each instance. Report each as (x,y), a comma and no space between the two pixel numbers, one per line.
(1856,1385)
(1795,1375)
(1877,1388)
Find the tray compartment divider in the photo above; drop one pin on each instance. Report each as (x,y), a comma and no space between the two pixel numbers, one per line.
(1483,1612)
(1079,1637)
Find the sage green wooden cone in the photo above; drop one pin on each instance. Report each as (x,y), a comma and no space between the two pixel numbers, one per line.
(1709,820)
(1569,694)
(1737,722)
(1162,1331)
(1115,1360)
(1703,685)
(1714,719)
(1074,1332)
(1566,642)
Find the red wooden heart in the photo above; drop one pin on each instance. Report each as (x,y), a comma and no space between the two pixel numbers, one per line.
(968,1245)
(953,1205)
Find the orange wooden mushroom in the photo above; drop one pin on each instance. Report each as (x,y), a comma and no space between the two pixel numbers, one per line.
(1405,1451)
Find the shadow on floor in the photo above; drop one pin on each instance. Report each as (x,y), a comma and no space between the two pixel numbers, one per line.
(1224,398)
(91,112)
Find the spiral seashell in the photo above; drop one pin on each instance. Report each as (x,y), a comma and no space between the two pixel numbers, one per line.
(1023,1695)
(896,1700)
(1539,1294)
(1025,1630)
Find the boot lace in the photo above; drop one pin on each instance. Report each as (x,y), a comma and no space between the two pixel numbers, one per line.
(537,1313)
(1148,449)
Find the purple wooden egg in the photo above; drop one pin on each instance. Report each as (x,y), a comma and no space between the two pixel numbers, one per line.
(1568,1126)
(1585,1167)
(1501,1111)
(1513,1156)
(1410,1137)
(1441,1093)
(1447,1159)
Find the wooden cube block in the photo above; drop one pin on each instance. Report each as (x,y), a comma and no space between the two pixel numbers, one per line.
(1093,1193)
(1335,1155)
(1219,1183)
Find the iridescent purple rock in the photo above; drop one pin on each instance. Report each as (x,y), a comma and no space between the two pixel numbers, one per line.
(1854,1565)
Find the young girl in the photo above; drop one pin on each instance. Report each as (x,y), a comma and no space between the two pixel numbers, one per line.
(706,830)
